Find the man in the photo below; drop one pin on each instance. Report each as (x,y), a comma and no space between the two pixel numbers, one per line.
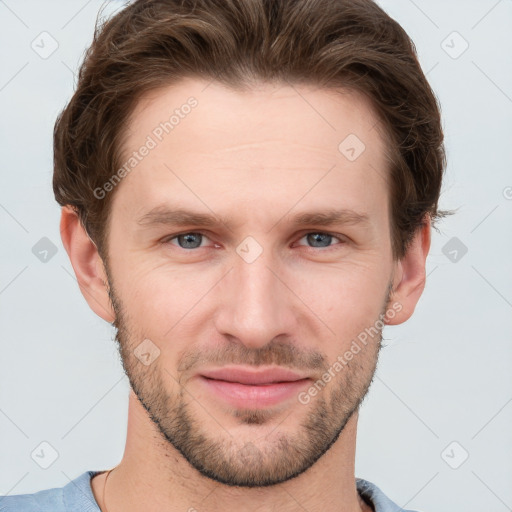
(247,192)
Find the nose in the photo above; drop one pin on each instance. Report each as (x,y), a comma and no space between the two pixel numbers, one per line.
(255,305)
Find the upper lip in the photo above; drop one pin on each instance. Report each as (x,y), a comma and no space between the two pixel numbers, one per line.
(246,376)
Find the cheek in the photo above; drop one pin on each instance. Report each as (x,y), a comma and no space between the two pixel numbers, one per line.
(158,300)
(348,298)
(163,301)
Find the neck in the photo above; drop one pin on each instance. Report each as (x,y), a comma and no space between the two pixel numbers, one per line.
(154,476)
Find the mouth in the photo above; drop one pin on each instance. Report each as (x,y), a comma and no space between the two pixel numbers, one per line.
(241,387)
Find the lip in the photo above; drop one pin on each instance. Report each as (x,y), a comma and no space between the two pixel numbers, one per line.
(255,377)
(242,388)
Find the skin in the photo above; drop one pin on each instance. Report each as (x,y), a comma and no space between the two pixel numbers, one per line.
(254,158)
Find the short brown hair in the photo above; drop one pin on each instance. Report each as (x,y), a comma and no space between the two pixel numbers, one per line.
(330,43)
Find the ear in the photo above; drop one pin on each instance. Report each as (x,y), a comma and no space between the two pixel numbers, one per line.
(87,264)
(410,276)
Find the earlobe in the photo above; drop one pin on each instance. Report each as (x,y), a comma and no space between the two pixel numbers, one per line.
(410,276)
(86,263)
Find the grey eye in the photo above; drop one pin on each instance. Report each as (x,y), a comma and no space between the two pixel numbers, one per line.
(319,239)
(189,240)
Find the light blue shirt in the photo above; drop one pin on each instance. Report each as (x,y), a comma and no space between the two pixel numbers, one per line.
(77,496)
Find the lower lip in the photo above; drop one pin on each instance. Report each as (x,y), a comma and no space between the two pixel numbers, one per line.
(255,396)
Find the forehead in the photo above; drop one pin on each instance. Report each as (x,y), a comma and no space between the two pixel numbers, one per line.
(231,115)
(272,137)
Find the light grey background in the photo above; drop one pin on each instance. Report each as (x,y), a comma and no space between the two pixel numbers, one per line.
(445,375)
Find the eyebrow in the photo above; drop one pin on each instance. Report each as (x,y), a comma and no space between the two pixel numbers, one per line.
(163,215)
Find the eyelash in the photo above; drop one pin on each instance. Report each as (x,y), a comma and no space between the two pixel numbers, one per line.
(167,240)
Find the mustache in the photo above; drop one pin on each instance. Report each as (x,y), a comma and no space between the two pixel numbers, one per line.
(275,353)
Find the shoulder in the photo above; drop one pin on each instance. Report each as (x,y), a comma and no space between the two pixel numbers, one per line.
(49,499)
(374,496)
(76,496)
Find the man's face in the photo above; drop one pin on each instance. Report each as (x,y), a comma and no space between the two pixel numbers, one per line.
(259,289)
